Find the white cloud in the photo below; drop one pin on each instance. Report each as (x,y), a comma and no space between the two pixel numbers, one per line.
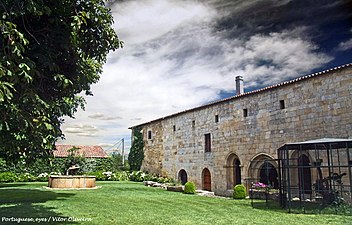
(96,116)
(81,130)
(141,21)
(105,144)
(101,116)
(78,128)
(346,45)
(175,61)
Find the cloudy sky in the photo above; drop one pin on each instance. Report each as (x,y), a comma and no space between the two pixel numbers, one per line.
(179,54)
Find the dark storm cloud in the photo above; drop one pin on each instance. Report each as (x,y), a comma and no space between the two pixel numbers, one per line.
(328,22)
(243,16)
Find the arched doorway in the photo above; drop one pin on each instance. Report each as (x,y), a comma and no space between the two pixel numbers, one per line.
(182,176)
(263,169)
(304,175)
(268,175)
(206,180)
(233,171)
(237,171)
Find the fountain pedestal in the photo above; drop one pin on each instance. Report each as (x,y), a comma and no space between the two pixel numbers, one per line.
(72,182)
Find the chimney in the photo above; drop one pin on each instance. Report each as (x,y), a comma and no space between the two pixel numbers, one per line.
(239,85)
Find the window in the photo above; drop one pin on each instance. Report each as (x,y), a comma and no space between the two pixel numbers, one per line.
(193,123)
(174,128)
(207,143)
(245,112)
(149,134)
(216,118)
(282,104)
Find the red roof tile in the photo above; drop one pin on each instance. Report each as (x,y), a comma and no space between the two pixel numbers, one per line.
(85,151)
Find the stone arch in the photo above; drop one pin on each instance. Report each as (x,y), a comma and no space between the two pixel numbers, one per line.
(264,169)
(233,170)
(182,176)
(206,179)
(302,173)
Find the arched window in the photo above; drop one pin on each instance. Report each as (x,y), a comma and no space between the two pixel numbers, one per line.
(182,176)
(304,175)
(237,171)
(268,175)
(263,168)
(233,171)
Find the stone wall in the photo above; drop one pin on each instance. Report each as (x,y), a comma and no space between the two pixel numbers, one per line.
(314,108)
(153,149)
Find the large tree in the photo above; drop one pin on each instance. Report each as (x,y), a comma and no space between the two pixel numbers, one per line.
(50,51)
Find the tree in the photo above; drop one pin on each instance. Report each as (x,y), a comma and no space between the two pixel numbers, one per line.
(50,51)
(136,155)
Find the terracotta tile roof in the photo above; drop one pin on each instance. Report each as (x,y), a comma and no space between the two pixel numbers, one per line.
(249,93)
(85,151)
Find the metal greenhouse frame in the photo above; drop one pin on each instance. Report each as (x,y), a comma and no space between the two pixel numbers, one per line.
(315,174)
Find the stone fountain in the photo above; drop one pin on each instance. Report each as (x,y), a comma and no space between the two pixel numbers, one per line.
(71,180)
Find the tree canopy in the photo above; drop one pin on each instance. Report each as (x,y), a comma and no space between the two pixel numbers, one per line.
(51,50)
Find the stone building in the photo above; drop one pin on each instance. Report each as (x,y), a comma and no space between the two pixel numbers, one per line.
(224,143)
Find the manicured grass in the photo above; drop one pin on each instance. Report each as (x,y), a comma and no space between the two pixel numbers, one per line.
(133,203)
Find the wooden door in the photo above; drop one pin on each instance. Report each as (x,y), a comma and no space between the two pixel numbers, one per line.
(206,180)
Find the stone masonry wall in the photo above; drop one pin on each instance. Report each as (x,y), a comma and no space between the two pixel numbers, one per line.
(316,107)
(153,149)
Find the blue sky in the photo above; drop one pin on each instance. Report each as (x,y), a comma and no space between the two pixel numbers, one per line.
(180,54)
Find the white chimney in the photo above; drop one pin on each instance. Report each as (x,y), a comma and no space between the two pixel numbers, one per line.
(239,85)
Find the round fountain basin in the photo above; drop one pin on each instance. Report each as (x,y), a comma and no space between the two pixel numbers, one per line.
(72,182)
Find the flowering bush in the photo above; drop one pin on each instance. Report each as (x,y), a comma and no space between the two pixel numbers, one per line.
(43,177)
(140,176)
(259,186)
(109,175)
(55,173)
(137,176)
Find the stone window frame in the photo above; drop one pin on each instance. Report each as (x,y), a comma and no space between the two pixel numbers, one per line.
(245,112)
(282,104)
(149,134)
(217,118)
(207,142)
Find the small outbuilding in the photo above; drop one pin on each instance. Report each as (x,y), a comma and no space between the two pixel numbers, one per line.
(315,172)
(62,151)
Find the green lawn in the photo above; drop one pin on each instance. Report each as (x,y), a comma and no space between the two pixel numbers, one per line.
(133,203)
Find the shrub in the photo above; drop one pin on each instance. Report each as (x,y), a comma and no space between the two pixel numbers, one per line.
(122,176)
(26,177)
(239,191)
(137,176)
(8,177)
(190,188)
(43,177)
(98,175)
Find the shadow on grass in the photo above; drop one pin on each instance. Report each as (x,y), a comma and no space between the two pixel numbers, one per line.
(270,205)
(7,185)
(132,187)
(303,208)
(26,203)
